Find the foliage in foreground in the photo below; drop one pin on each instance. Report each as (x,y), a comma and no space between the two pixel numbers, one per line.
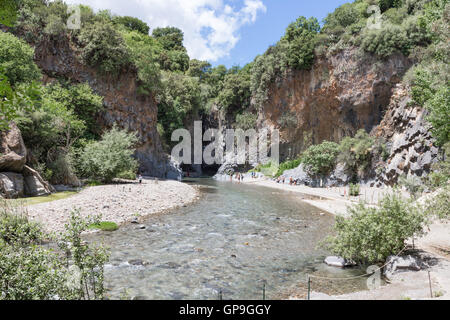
(108,158)
(31,271)
(370,235)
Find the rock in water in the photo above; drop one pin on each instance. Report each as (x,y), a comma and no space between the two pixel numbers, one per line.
(338,262)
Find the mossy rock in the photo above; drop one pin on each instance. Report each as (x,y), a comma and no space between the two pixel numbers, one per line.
(104,226)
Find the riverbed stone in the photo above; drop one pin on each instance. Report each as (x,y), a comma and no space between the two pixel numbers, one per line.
(339,262)
(396,263)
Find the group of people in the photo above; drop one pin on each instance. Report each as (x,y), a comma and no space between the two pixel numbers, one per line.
(292,181)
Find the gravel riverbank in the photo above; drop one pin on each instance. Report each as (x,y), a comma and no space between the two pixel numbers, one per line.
(118,203)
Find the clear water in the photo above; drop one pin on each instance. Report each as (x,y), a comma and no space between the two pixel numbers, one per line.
(237,237)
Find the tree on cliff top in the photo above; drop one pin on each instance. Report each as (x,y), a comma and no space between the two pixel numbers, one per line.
(132,24)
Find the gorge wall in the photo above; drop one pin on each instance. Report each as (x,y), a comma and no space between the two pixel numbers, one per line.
(342,93)
(57,58)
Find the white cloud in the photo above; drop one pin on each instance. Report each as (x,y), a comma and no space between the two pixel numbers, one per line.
(211,27)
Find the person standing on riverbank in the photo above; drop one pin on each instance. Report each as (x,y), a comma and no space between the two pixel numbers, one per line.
(140,178)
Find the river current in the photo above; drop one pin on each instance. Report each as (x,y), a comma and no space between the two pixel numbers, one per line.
(237,240)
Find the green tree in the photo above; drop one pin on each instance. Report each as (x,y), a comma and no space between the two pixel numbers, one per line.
(8,12)
(171,38)
(356,153)
(301,36)
(16,60)
(109,157)
(132,24)
(103,47)
(198,69)
(370,235)
(144,52)
(320,159)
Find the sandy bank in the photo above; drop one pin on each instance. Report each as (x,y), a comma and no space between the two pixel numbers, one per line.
(117,203)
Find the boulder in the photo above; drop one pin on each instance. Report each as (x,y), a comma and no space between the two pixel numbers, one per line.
(34,185)
(11,185)
(13,153)
(338,262)
(395,263)
(339,176)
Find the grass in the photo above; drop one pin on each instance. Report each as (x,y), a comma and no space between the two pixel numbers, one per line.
(104,226)
(43,199)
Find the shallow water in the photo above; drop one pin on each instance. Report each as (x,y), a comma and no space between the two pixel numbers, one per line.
(236,238)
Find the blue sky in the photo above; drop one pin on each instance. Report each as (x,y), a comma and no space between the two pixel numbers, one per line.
(269,27)
(229,32)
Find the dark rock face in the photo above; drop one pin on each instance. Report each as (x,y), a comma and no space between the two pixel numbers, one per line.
(338,96)
(413,150)
(124,106)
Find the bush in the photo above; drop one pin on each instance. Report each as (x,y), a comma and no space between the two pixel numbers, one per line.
(320,159)
(288,165)
(8,13)
(266,69)
(32,272)
(356,153)
(246,120)
(354,190)
(439,205)
(16,60)
(103,48)
(144,52)
(15,229)
(132,24)
(107,158)
(370,234)
(301,36)
(386,41)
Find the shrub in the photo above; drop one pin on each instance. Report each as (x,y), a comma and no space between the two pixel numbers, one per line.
(439,115)
(132,24)
(320,159)
(413,185)
(107,158)
(370,235)
(33,272)
(287,165)
(354,190)
(235,93)
(386,41)
(355,152)
(144,52)
(266,69)
(103,47)
(439,205)
(8,13)
(15,228)
(301,36)
(246,120)
(16,60)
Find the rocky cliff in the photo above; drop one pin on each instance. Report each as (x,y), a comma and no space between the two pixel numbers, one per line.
(412,148)
(57,58)
(342,93)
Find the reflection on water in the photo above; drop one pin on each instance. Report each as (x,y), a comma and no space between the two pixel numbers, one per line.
(233,239)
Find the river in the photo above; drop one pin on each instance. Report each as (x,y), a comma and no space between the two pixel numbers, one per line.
(236,240)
